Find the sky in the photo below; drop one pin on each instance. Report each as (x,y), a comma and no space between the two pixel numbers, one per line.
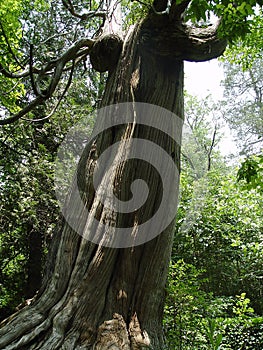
(202,79)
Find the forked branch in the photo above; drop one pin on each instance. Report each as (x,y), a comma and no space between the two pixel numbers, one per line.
(87,15)
(77,52)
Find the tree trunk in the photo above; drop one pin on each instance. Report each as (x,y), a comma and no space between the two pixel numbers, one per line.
(95,296)
(34,265)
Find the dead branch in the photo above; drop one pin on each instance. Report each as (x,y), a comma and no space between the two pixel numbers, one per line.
(212,145)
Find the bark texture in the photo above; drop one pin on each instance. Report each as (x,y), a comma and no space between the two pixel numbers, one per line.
(95,297)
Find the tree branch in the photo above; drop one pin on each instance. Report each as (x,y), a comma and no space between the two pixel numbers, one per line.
(69,6)
(36,102)
(31,73)
(60,98)
(23,74)
(204,44)
(181,42)
(212,145)
(77,50)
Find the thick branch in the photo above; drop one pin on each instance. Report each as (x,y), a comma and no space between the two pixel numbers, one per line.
(175,40)
(70,54)
(204,44)
(162,7)
(171,8)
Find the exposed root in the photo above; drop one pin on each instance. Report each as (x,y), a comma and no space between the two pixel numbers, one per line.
(113,335)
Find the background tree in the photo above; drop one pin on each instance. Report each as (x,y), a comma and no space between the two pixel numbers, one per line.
(243,91)
(202,134)
(243,83)
(95,296)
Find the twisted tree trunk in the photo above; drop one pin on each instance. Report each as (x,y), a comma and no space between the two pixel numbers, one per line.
(98,297)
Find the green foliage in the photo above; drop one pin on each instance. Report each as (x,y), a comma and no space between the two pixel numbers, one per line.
(220,233)
(14,14)
(250,173)
(244,330)
(196,320)
(243,104)
(243,334)
(134,11)
(235,18)
(185,306)
(201,136)
(27,204)
(243,93)
(214,338)
(219,230)
(242,308)
(246,52)
(236,21)
(14,21)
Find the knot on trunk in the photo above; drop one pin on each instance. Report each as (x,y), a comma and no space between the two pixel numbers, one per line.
(105,52)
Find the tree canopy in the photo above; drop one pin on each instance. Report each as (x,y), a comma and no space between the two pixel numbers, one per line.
(40,58)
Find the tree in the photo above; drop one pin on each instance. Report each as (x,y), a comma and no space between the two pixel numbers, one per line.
(243,89)
(244,117)
(202,135)
(94,295)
